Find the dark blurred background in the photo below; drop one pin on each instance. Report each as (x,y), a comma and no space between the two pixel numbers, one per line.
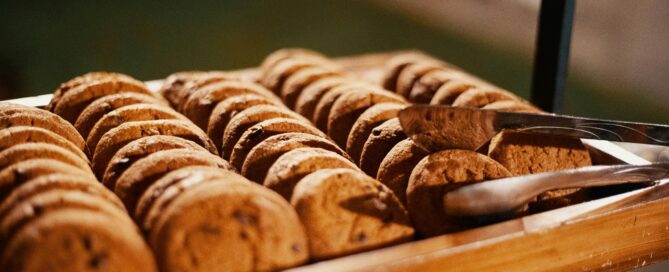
(618,67)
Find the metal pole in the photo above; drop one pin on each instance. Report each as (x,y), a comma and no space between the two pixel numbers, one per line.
(552,53)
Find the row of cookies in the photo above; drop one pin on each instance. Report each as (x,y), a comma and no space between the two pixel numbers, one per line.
(169,176)
(280,149)
(361,119)
(54,214)
(422,79)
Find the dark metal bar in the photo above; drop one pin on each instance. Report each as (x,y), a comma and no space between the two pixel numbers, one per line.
(552,53)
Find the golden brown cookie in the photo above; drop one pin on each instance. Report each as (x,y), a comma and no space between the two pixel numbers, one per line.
(285,53)
(411,74)
(93,112)
(395,168)
(296,83)
(74,239)
(348,107)
(275,77)
(200,104)
(144,172)
(449,91)
(138,149)
(344,211)
(248,118)
(294,165)
(229,226)
(263,155)
(512,105)
(308,99)
(365,123)
(226,109)
(162,192)
(264,130)
(322,109)
(21,172)
(118,137)
(378,144)
(23,134)
(439,173)
(480,97)
(20,214)
(84,80)
(525,153)
(178,86)
(57,181)
(74,101)
(424,88)
(396,64)
(12,115)
(27,151)
(130,113)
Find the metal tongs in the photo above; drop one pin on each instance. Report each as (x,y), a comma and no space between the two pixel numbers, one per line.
(504,196)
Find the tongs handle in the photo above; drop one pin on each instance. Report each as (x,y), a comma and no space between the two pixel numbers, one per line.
(503,196)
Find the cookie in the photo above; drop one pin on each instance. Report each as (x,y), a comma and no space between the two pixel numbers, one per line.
(285,53)
(27,151)
(439,173)
(57,181)
(512,105)
(84,80)
(248,118)
(178,86)
(308,99)
(344,212)
(118,137)
(201,103)
(77,240)
(396,64)
(449,91)
(395,168)
(226,109)
(144,172)
(411,74)
(12,115)
(379,143)
(365,123)
(480,97)
(525,153)
(275,77)
(424,88)
(93,112)
(22,172)
(294,165)
(23,134)
(264,130)
(296,83)
(229,226)
(74,101)
(130,113)
(138,149)
(348,107)
(22,213)
(263,155)
(162,192)
(324,105)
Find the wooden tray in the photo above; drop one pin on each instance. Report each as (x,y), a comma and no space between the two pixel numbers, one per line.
(619,232)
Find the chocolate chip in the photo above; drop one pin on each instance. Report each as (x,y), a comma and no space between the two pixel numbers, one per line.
(296,248)
(87,242)
(98,260)
(245,218)
(361,237)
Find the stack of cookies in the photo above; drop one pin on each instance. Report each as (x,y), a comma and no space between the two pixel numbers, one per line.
(54,214)
(300,160)
(361,119)
(191,205)
(256,130)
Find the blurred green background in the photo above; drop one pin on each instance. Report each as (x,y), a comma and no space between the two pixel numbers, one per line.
(47,42)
